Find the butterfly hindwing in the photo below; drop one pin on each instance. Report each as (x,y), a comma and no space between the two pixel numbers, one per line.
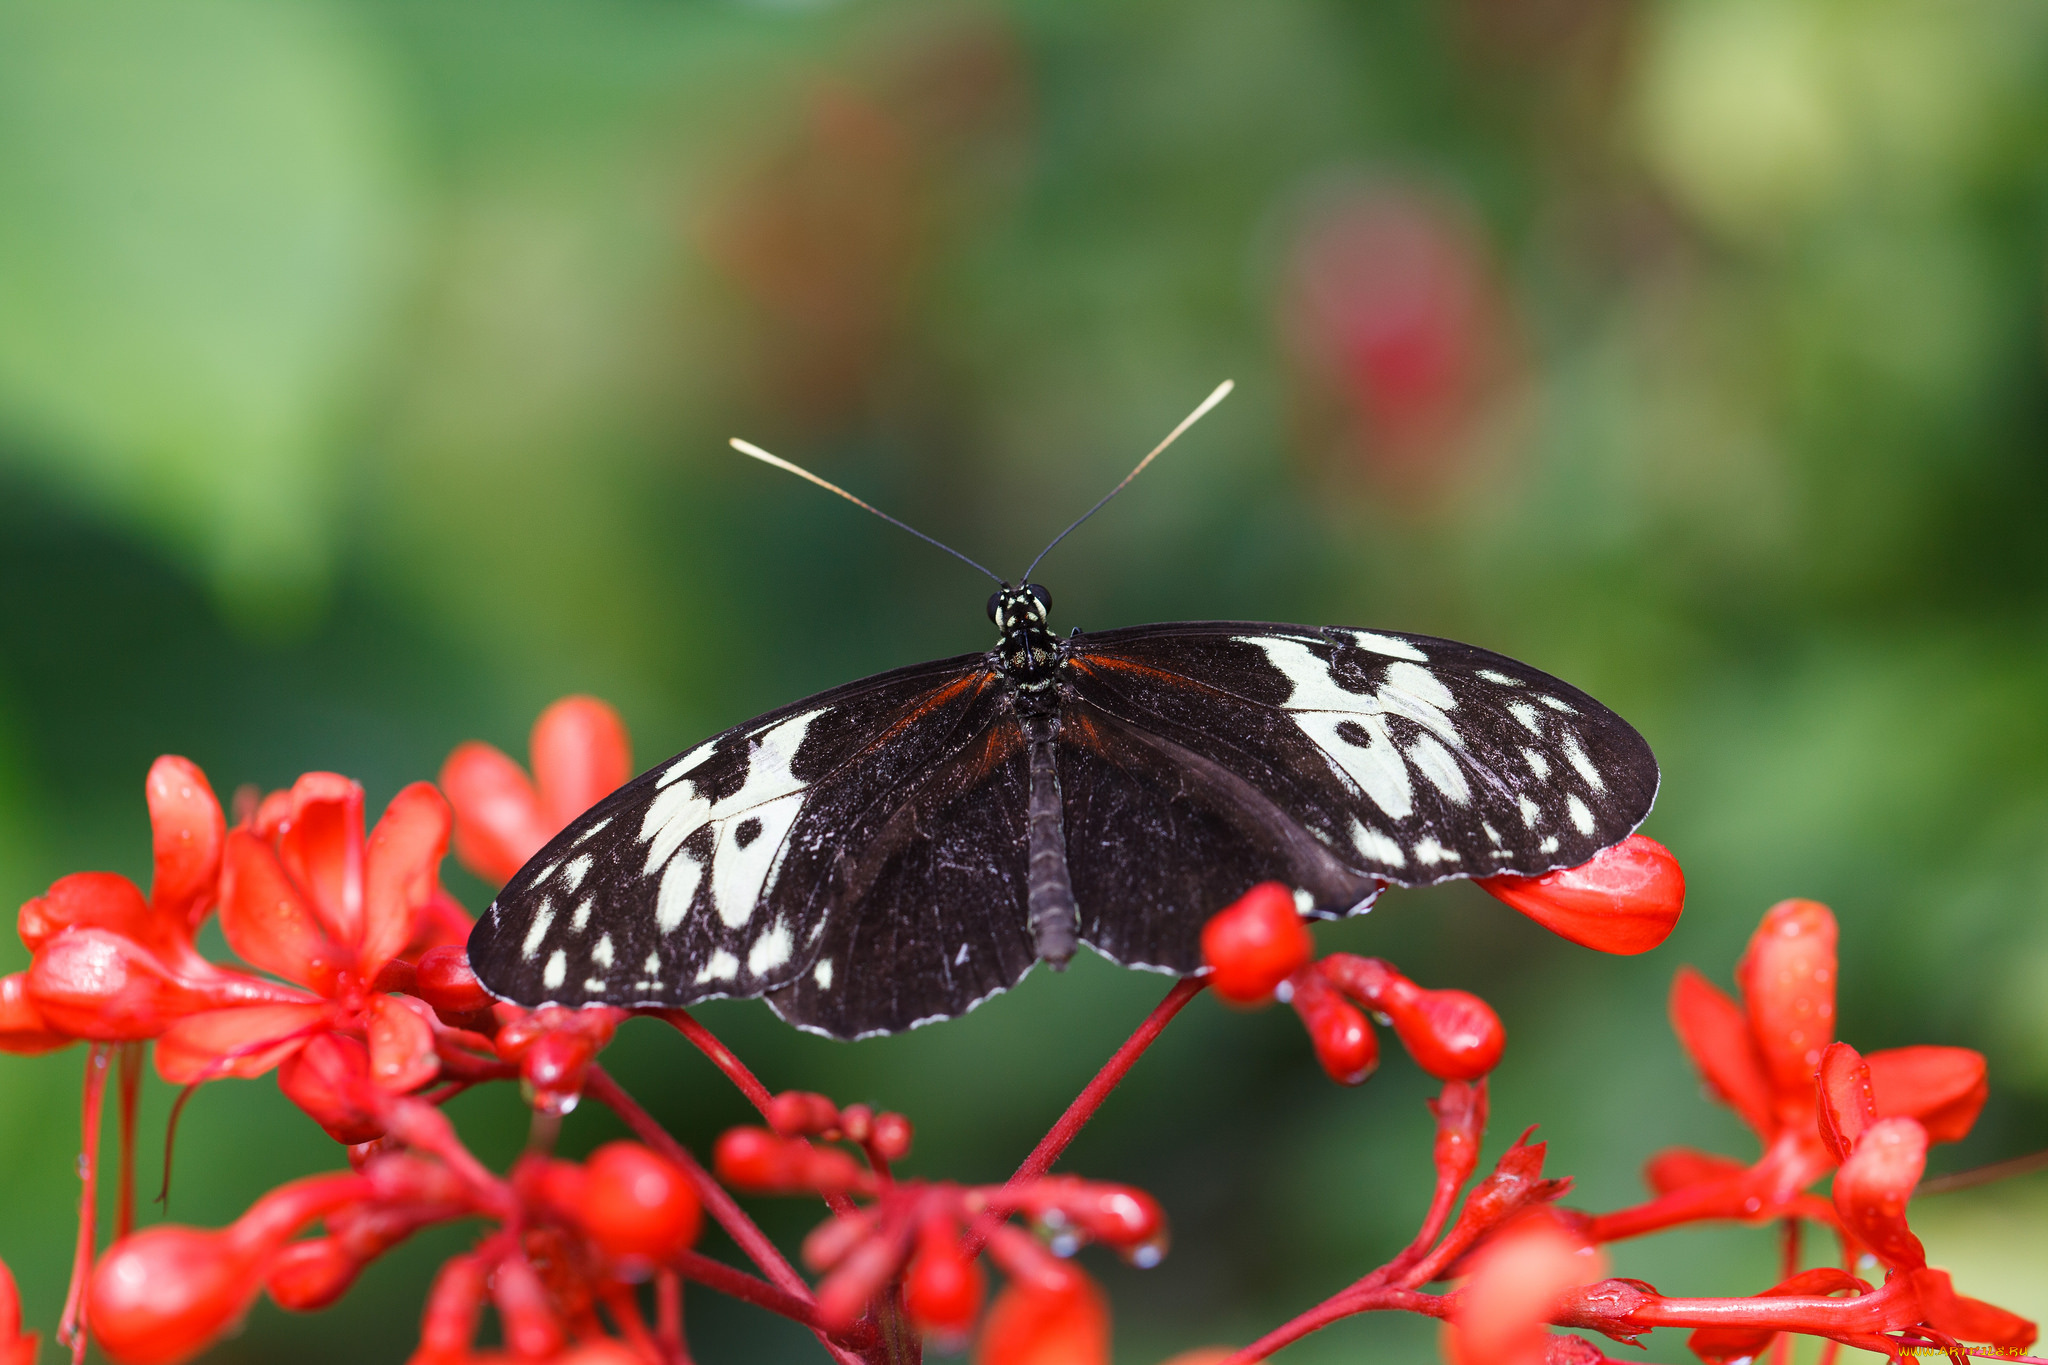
(1412,759)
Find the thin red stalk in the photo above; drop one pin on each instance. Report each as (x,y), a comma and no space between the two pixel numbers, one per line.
(1344,1304)
(624,1307)
(163,1194)
(1984,1175)
(131,1094)
(738,1284)
(71,1328)
(668,1317)
(1087,1102)
(722,1057)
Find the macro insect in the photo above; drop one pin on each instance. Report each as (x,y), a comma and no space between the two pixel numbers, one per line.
(897,850)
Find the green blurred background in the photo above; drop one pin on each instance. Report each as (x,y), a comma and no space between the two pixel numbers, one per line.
(365,370)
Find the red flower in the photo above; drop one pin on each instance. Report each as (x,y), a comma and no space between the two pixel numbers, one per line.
(1625,899)
(16,1346)
(580,755)
(305,896)
(1760,1058)
(1518,1279)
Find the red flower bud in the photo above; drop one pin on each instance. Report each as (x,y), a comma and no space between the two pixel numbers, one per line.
(444,980)
(1453,1035)
(1460,1129)
(1031,1327)
(16,1347)
(532,1327)
(94,983)
(943,1290)
(23,1030)
(553,1048)
(1626,899)
(310,1275)
(637,1205)
(1255,943)
(1873,1185)
(1342,1037)
(453,1306)
(163,1294)
(861,1275)
(758,1160)
(799,1113)
(329,1078)
(891,1136)
(1119,1216)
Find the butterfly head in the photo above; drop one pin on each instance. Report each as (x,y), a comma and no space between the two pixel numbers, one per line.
(1020,608)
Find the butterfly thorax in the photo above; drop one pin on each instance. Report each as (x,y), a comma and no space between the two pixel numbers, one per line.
(1028,652)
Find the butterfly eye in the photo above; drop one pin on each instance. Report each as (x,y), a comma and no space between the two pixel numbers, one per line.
(995,599)
(1044,597)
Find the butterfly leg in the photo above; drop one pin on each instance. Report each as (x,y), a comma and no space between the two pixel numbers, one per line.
(1054,917)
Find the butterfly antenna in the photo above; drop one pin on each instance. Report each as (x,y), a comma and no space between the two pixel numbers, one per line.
(749,448)
(1222,392)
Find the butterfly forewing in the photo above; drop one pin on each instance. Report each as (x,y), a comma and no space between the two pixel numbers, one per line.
(1410,758)
(717,872)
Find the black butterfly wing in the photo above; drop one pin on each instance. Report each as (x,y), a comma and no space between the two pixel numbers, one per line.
(1369,755)
(794,848)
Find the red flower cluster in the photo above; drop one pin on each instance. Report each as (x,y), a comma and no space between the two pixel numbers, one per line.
(352,985)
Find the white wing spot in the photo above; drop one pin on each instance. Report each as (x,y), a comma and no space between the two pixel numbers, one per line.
(1582,819)
(652,967)
(1538,764)
(961,956)
(1491,833)
(723,966)
(573,872)
(770,950)
(556,971)
(822,973)
(1377,846)
(543,916)
(593,984)
(738,873)
(678,889)
(1389,646)
(1303,901)
(685,763)
(1549,845)
(1554,704)
(1577,754)
(1531,718)
(1375,766)
(602,953)
(545,873)
(1429,851)
(1531,812)
(1434,762)
(581,919)
(590,831)
(1419,683)
(1500,679)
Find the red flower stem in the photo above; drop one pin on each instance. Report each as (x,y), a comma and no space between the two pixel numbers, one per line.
(721,1056)
(1346,1303)
(668,1318)
(1714,1199)
(131,1094)
(1086,1103)
(600,1086)
(71,1327)
(738,1284)
(619,1301)
(1984,1175)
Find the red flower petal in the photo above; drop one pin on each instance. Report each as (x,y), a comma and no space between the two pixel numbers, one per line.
(401,871)
(1681,1168)
(1969,1319)
(327,1079)
(1943,1087)
(23,1030)
(242,1042)
(1788,984)
(99,900)
(1874,1184)
(1032,1327)
(402,1057)
(187,830)
(1517,1280)
(1715,1034)
(268,921)
(1625,900)
(94,983)
(1846,1104)
(498,824)
(319,833)
(580,756)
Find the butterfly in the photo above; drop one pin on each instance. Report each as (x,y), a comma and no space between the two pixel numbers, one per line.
(897,850)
